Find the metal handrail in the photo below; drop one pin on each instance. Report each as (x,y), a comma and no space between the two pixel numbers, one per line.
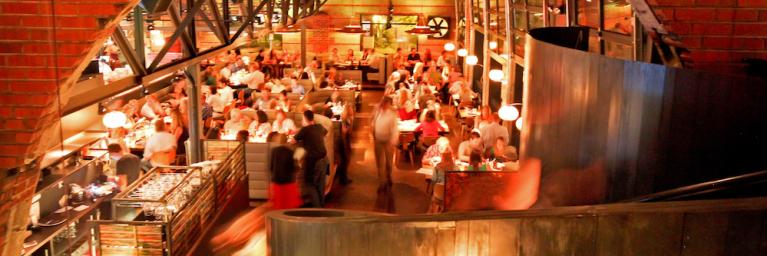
(704,187)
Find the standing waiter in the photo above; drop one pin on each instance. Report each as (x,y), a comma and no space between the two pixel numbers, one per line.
(312,137)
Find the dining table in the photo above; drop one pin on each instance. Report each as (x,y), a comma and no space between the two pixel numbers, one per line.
(408,126)
(468,112)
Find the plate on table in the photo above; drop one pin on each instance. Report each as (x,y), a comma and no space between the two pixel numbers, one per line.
(52,222)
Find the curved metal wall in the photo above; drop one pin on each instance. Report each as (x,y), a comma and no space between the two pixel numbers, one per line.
(605,129)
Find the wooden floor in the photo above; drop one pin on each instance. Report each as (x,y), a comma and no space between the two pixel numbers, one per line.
(408,195)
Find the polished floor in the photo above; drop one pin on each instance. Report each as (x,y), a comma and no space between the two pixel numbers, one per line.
(408,195)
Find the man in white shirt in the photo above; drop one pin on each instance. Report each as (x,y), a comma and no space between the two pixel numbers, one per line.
(225,71)
(150,108)
(256,77)
(466,147)
(216,102)
(370,65)
(161,142)
(296,88)
(309,74)
(386,136)
(491,132)
(226,92)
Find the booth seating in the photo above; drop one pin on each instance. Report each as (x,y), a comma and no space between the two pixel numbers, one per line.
(295,116)
(380,75)
(317,99)
(257,157)
(350,74)
(308,84)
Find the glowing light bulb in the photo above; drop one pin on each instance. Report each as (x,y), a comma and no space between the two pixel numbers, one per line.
(114,119)
(518,124)
(472,60)
(493,45)
(449,46)
(462,52)
(508,113)
(496,75)
(156,37)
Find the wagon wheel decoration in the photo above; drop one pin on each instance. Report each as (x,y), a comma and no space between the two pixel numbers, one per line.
(439,24)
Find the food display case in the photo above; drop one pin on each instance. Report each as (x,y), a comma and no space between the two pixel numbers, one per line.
(170,203)
(169,209)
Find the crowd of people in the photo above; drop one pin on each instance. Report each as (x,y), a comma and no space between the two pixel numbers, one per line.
(422,90)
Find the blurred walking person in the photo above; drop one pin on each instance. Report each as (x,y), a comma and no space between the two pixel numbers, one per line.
(386,136)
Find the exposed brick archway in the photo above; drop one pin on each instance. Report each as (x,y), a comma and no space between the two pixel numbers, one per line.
(44,46)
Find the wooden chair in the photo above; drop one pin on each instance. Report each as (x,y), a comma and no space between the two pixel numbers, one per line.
(164,158)
(406,143)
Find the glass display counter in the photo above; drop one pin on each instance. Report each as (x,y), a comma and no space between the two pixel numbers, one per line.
(169,209)
(163,213)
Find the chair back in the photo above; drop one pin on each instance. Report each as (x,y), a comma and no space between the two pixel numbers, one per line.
(164,158)
(406,138)
(439,191)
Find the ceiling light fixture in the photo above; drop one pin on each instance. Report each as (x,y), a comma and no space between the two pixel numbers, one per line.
(449,46)
(496,75)
(462,52)
(472,60)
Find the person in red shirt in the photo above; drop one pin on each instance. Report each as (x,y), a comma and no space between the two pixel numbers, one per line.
(430,126)
(407,113)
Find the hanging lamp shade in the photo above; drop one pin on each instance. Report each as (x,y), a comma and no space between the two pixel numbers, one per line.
(155,6)
(286,30)
(518,124)
(508,113)
(421,30)
(472,60)
(352,29)
(496,75)
(449,46)
(462,52)
(114,119)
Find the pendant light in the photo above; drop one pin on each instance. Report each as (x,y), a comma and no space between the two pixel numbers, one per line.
(114,119)
(420,27)
(508,112)
(286,30)
(462,52)
(496,75)
(472,60)
(352,29)
(449,46)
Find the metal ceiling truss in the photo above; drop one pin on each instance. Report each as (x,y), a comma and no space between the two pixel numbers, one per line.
(190,13)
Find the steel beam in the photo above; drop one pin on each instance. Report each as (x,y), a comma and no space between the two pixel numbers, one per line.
(127,50)
(179,30)
(186,39)
(250,19)
(213,28)
(195,117)
(168,70)
(219,22)
(138,35)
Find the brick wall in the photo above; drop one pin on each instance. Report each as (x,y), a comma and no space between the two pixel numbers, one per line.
(43,49)
(719,33)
